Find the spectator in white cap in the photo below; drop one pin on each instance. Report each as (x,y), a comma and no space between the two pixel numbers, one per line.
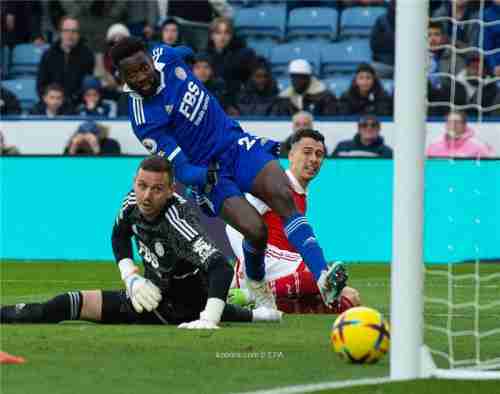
(306,93)
(114,34)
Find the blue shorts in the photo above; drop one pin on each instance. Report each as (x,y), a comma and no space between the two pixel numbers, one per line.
(239,166)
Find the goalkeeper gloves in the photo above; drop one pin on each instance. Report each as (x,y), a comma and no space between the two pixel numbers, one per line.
(143,293)
(331,282)
(209,317)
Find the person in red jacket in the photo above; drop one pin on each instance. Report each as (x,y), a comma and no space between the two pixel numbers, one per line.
(292,283)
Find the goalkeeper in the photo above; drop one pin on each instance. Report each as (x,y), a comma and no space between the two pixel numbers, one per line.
(186,278)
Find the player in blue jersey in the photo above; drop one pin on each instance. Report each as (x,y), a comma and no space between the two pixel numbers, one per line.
(174,116)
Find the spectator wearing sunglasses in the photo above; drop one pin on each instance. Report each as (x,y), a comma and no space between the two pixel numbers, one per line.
(366,143)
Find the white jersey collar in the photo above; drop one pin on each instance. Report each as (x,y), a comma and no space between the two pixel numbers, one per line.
(297,187)
(159,67)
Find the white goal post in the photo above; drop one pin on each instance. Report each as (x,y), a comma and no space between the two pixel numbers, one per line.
(410,358)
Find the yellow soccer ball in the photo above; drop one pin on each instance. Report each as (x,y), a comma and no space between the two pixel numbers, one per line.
(360,335)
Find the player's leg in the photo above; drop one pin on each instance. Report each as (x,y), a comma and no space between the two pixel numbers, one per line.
(243,217)
(236,313)
(272,186)
(66,306)
(239,214)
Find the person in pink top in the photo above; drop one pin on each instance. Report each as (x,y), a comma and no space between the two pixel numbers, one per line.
(458,140)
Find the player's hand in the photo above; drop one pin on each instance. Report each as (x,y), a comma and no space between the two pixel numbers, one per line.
(202,201)
(209,317)
(143,293)
(200,324)
(212,178)
(331,282)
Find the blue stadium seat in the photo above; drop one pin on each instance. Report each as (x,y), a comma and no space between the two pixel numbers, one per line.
(358,21)
(25,59)
(25,91)
(264,21)
(5,60)
(319,22)
(283,54)
(388,85)
(338,85)
(262,47)
(344,57)
(283,83)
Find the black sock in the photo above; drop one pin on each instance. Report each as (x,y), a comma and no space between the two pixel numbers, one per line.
(62,307)
(236,313)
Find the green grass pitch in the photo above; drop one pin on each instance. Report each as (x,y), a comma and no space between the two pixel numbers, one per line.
(80,358)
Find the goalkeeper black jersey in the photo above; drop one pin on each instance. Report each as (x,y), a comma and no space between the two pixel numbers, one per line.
(173,246)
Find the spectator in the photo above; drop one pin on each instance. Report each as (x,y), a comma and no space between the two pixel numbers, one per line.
(92,102)
(460,10)
(232,60)
(479,86)
(365,95)
(21,22)
(300,121)
(95,17)
(203,70)
(9,104)
(7,150)
(111,82)
(142,17)
(66,62)
(306,93)
(259,92)
(92,138)
(170,32)
(52,103)
(383,41)
(367,142)
(492,36)
(458,140)
(442,60)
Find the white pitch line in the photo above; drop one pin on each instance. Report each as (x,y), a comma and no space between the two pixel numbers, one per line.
(309,388)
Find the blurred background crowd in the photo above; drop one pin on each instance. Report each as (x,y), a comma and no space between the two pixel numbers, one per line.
(305,59)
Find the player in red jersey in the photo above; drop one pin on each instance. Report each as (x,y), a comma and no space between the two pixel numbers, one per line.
(290,279)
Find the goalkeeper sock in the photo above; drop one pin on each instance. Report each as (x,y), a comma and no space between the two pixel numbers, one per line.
(300,234)
(254,262)
(62,307)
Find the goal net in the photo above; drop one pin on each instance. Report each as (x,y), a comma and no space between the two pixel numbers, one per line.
(462,297)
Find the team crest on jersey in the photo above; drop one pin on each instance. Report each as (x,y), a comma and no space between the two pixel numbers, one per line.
(150,145)
(168,109)
(180,73)
(159,249)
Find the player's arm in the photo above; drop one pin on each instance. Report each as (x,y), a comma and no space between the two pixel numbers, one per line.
(143,294)
(194,246)
(157,141)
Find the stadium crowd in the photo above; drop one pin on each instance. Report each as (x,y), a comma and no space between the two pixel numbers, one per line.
(61,51)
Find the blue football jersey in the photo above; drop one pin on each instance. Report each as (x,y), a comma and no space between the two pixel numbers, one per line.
(182,116)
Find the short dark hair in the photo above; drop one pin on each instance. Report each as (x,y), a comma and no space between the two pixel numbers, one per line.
(53,86)
(126,47)
(462,114)
(156,163)
(307,133)
(437,25)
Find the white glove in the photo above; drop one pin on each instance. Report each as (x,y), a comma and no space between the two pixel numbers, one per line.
(200,325)
(209,317)
(143,293)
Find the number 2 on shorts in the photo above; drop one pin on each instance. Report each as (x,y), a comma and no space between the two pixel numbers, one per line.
(246,142)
